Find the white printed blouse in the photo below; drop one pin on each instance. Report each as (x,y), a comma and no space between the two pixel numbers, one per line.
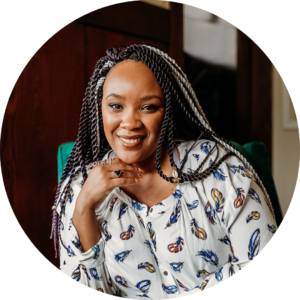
(203,233)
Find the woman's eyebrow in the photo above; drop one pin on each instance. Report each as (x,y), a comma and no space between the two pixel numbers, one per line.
(151,97)
(116,96)
(144,98)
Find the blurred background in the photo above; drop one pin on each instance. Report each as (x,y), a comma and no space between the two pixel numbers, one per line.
(240,91)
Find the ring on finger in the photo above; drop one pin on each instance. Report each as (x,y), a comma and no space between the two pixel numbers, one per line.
(117,173)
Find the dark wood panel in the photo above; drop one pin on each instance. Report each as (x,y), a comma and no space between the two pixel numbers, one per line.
(244,88)
(261,126)
(97,41)
(134,18)
(254,105)
(44,108)
(176,34)
(42,113)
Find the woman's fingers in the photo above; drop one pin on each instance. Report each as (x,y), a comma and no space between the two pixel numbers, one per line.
(125,181)
(125,175)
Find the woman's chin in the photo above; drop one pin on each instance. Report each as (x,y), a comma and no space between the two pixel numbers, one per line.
(129,160)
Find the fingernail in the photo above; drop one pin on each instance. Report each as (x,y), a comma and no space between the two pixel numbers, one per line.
(137,181)
(139,176)
(141,170)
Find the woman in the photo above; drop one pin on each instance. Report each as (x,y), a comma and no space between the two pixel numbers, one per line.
(152,202)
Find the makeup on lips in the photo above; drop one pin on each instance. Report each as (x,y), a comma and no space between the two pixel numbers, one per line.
(130,141)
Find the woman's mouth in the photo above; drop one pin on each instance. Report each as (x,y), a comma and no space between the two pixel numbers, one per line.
(130,142)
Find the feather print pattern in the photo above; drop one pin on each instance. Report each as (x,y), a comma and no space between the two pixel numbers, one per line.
(112,203)
(193,205)
(96,249)
(231,271)
(76,275)
(219,274)
(175,215)
(272,228)
(126,235)
(171,289)
(218,199)
(238,202)
(136,205)
(255,215)
(253,195)
(70,224)
(147,266)
(222,219)
(177,194)
(203,285)
(152,234)
(70,194)
(254,243)
(182,286)
(140,220)
(121,256)
(77,244)
(151,250)
(177,266)
(121,280)
(123,210)
(70,252)
(205,147)
(185,235)
(210,213)
(94,274)
(219,174)
(202,273)
(199,232)
(106,233)
(239,169)
(122,293)
(144,286)
(209,256)
(227,241)
(197,156)
(177,246)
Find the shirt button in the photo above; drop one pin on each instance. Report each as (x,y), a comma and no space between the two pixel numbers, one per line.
(151,209)
(165,273)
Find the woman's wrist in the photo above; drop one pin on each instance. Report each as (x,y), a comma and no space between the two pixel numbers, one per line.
(85,221)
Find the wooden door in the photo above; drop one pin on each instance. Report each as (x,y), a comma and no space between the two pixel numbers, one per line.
(44,107)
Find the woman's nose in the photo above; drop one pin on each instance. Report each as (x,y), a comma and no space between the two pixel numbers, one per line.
(131,121)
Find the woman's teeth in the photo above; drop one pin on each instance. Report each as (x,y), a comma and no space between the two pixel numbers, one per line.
(130,141)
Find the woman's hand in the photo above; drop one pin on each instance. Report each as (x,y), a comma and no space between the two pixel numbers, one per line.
(101,181)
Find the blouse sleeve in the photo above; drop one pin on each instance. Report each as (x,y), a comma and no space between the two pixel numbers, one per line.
(239,204)
(87,267)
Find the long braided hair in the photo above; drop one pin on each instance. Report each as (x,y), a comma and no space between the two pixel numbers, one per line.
(181,104)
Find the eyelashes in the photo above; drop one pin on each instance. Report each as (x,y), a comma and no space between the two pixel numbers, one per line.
(115,106)
(147,107)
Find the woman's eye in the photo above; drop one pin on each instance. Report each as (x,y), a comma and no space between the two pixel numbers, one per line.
(115,106)
(149,107)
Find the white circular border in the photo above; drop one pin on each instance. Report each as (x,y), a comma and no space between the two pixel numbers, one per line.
(27,25)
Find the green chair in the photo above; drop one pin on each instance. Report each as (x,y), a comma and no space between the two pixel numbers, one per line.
(255,153)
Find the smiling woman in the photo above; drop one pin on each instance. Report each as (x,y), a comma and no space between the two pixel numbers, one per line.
(152,202)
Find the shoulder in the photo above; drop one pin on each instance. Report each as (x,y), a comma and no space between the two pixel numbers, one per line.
(231,175)
(69,191)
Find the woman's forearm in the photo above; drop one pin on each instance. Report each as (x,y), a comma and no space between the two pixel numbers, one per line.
(85,221)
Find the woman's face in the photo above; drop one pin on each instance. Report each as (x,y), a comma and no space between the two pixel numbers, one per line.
(132,111)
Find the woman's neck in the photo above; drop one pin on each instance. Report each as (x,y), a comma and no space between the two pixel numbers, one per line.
(149,166)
